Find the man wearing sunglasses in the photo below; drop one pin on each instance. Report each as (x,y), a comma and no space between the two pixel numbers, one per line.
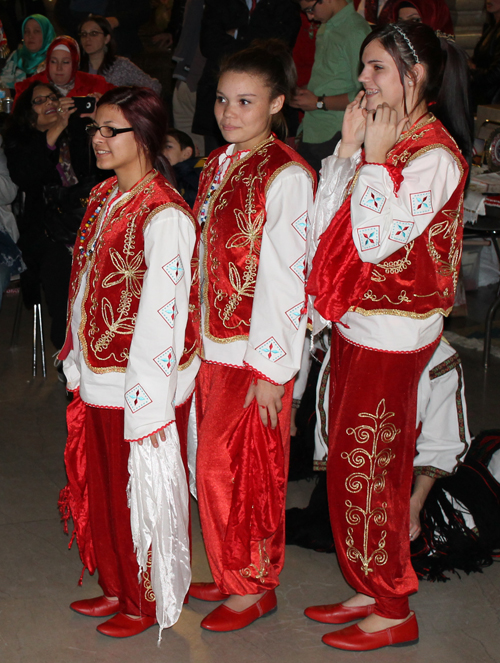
(334,77)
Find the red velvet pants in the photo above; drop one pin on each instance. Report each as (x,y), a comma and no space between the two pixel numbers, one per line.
(373,400)
(109,515)
(220,395)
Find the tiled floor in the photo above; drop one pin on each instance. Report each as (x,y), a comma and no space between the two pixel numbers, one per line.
(459,620)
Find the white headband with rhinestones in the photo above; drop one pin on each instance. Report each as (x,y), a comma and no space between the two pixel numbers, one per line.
(408,42)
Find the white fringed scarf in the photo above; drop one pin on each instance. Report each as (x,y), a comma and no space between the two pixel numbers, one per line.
(159,514)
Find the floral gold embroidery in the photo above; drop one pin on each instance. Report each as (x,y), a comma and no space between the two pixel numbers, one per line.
(393,267)
(250,225)
(369,480)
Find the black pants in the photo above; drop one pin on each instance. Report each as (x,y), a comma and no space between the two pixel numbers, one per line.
(49,266)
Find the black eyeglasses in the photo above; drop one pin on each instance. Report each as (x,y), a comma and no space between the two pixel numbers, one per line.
(310,10)
(42,98)
(92,34)
(106,132)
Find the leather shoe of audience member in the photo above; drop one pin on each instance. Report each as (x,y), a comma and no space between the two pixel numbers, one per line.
(206,591)
(100,606)
(338,613)
(352,638)
(223,619)
(123,626)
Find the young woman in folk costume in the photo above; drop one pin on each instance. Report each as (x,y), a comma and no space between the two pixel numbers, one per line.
(128,309)
(385,273)
(254,201)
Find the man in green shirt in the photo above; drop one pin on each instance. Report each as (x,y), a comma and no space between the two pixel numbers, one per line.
(334,77)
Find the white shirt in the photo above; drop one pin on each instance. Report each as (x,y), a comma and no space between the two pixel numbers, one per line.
(158,338)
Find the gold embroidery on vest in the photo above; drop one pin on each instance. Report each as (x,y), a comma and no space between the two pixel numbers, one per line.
(129,273)
(393,267)
(372,482)
(210,236)
(401,314)
(403,157)
(402,298)
(258,572)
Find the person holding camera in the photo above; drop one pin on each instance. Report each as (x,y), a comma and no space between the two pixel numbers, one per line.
(48,157)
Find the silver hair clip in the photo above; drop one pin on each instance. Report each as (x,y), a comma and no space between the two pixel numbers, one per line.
(408,42)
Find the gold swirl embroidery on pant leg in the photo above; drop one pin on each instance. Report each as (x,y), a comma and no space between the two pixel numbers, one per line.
(371,482)
(258,572)
(149,595)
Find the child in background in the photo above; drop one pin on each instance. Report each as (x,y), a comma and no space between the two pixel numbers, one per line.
(180,151)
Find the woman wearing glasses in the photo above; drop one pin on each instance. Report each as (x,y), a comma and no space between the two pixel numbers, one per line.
(99,56)
(128,309)
(46,147)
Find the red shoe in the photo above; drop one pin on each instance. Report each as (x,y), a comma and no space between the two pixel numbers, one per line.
(224,619)
(353,638)
(206,591)
(100,606)
(122,626)
(338,613)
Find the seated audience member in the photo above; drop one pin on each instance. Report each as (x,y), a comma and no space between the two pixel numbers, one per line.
(180,151)
(124,16)
(99,56)
(334,77)
(47,153)
(29,57)
(485,63)
(63,60)
(10,256)
(434,13)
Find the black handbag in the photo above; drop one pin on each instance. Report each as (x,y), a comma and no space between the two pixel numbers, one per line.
(65,208)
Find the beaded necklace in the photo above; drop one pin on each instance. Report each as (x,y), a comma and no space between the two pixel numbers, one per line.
(88,224)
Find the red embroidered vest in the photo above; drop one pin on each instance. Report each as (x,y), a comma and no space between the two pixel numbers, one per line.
(232,235)
(416,281)
(116,268)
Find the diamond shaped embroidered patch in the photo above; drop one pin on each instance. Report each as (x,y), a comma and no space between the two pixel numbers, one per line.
(369,237)
(137,398)
(168,312)
(294,314)
(174,269)
(271,349)
(401,231)
(166,361)
(299,267)
(421,203)
(373,200)
(301,224)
